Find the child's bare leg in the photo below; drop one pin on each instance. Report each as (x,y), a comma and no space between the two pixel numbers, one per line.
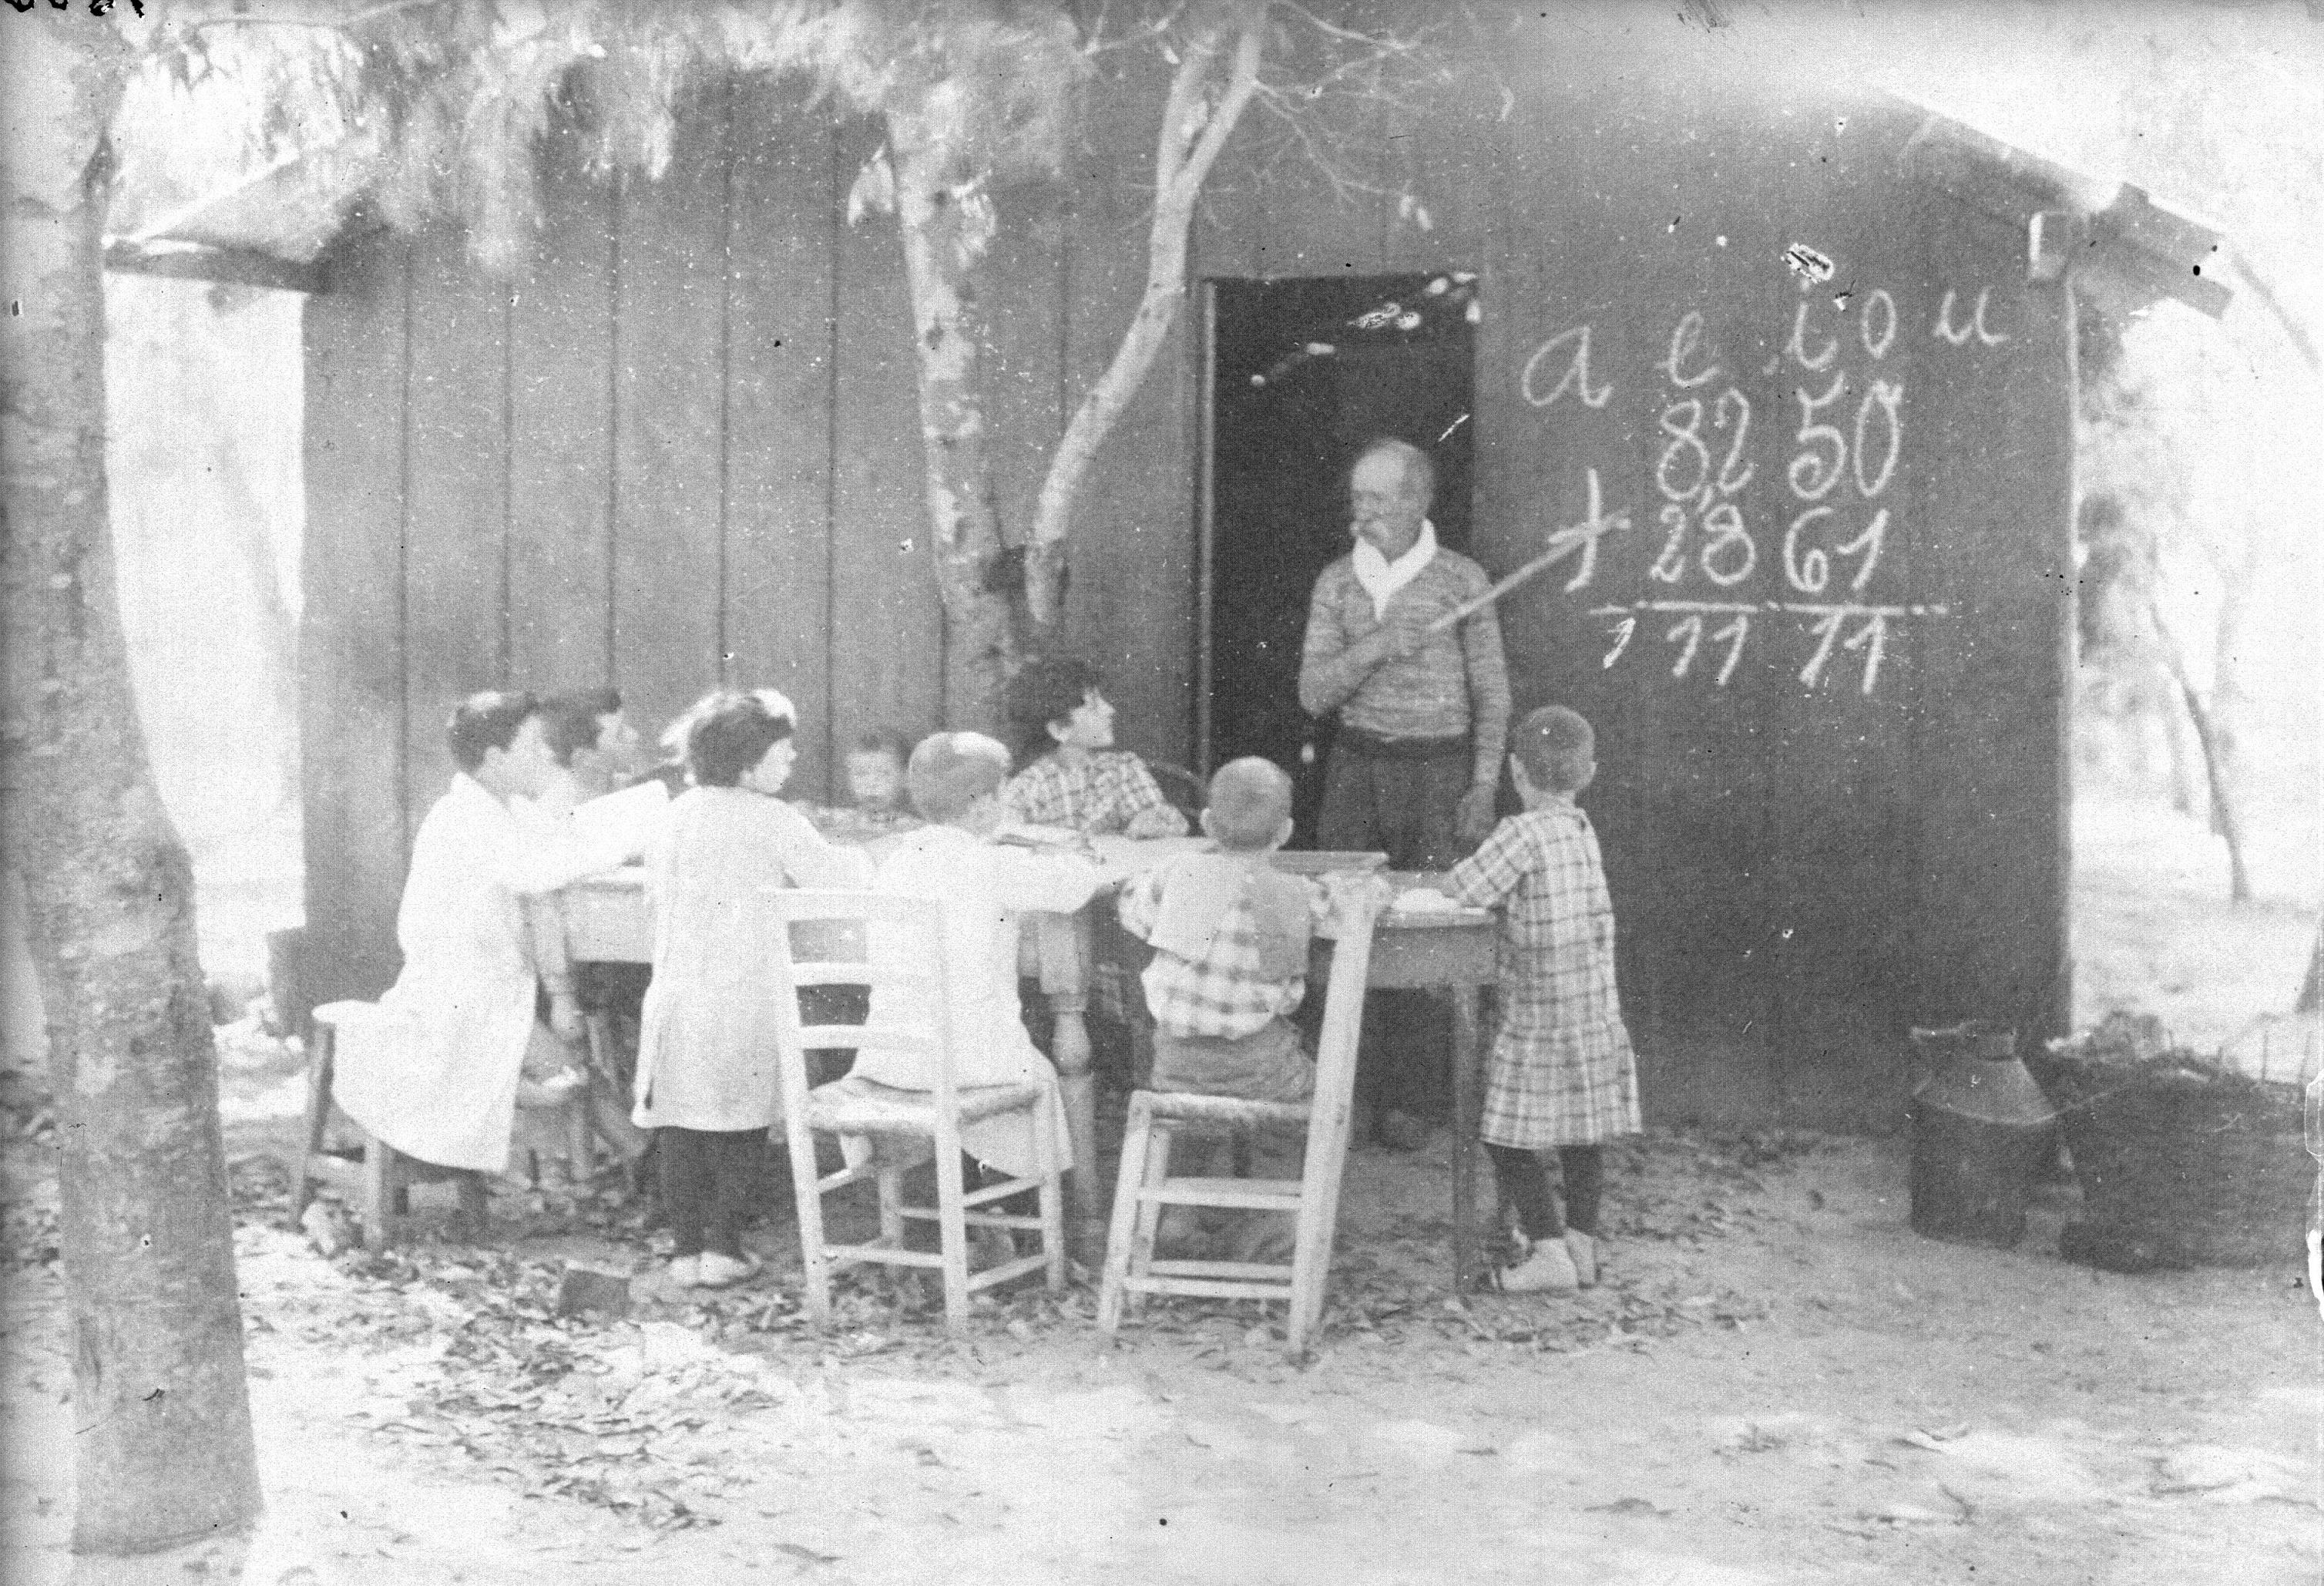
(686,1187)
(1584,1171)
(734,1170)
(1524,1184)
(1185,1232)
(1548,1266)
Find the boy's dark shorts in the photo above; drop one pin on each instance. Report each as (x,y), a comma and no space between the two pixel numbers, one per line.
(1267,1065)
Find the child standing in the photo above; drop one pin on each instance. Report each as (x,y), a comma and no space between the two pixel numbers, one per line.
(706,1081)
(1229,935)
(1562,1074)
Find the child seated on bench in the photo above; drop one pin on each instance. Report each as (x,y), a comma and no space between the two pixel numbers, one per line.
(1229,935)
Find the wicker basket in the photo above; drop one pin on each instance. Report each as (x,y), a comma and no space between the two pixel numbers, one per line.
(2183,1163)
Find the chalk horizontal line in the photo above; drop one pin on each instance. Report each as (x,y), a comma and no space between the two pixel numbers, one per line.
(1798,608)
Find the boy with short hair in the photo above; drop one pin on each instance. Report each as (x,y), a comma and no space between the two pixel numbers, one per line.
(1229,935)
(1562,1074)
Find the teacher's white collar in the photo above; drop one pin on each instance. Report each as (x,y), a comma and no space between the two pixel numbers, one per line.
(1381,578)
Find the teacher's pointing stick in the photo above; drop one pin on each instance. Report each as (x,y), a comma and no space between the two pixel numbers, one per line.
(1581,537)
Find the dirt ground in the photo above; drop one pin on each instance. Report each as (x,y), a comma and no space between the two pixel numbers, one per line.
(1778,1382)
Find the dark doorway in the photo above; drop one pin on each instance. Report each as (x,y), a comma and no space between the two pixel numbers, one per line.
(1304,373)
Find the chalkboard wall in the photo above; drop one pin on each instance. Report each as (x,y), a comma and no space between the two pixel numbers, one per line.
(1817,409)
(1822,422)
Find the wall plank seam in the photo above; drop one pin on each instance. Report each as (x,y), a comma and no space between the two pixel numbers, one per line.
(506,659)
(403,555)
(725,366)
(612,410)
(832,211)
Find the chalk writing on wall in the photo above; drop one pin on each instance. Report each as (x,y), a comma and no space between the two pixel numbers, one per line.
(1799,549)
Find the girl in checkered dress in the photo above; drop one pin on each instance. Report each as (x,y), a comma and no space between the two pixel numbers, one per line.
(1562,1074)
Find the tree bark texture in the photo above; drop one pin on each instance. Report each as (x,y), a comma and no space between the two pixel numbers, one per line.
(163,1447)
(946,222)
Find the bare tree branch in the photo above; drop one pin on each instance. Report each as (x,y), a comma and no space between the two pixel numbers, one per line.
(1178,183)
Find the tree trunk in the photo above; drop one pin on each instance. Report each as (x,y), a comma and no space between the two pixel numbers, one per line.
(163,1451)
(278,630)
(946,223)
(2165,696)
(2212,737)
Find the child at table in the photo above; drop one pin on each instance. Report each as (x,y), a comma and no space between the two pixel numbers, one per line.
(1229,935)
(1073,776)
(981,887)
(877,811)
(706,1081)
(875,777)
(1562,1073)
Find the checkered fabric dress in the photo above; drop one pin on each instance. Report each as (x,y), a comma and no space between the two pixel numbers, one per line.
(1562,1073)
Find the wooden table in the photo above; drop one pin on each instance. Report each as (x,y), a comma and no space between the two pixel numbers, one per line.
(1453,950)
(606,920)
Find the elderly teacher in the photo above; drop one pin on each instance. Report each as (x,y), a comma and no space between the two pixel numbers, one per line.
(1424,715)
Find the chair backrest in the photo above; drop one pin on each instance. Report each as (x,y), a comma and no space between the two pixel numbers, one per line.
(906,961)
(1344,1017)
(1184,789)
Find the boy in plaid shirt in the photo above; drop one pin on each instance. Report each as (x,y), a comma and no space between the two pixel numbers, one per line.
(1073,776)
(1229,935)
(1562,1074)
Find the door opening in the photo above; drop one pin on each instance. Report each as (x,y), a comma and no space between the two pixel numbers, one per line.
(1302,373)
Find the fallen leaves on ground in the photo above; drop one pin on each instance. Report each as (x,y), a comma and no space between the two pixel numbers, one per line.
(662,1417)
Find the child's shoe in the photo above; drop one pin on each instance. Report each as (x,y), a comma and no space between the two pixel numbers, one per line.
(1583,1248)
(988,1248)
(720,1270)
(1180,1236)
(1548,1270)
(1400,1131)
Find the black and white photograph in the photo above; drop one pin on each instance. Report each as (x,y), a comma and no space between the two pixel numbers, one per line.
(1256,792)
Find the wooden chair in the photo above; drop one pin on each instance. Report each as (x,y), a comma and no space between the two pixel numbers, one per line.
(377,1183)
(904,1128)
(1186,792)
(1143,1186)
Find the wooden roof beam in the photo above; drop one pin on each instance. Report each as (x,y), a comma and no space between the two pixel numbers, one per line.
(2072,220)
(200,261)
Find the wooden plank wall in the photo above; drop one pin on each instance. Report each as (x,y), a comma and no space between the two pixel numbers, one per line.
(352,639)
(682,448)
(1806,859)
(1131,606)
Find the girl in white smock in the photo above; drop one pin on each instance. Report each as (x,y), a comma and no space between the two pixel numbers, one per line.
(707,1077)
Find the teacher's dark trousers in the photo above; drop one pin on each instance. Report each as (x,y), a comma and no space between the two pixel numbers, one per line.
(1401,796)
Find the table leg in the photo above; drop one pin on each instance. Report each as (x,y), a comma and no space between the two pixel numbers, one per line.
(1468,1115)
(1069,1049)
(1064,953)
